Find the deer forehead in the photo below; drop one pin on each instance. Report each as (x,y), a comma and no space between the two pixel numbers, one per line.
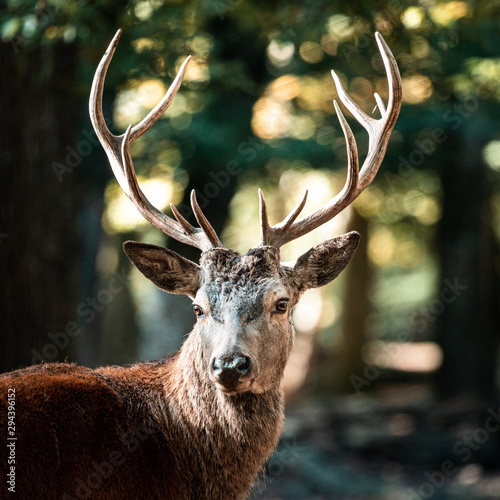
(240,284)
(244,299)
(223,265)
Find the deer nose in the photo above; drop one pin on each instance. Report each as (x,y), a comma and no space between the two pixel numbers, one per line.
(229,369)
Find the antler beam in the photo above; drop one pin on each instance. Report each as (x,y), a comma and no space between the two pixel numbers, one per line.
(117,149)
(379,132)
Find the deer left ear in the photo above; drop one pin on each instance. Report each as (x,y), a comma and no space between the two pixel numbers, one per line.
(324,262)
(166,269)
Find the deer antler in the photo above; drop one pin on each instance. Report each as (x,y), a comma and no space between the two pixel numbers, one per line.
(379,132)
(118,151)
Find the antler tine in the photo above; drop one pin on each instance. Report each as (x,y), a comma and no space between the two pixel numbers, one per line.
(162,106)
(203,222)
(379,133)
(181,231)
(264,220)
(287,230)
(110,143)
(294,213)
(365,120)
(266,229)
(201,219)
(380,103)
(181,220)
(117,149)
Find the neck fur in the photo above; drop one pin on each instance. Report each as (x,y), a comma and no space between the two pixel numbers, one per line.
(233,435)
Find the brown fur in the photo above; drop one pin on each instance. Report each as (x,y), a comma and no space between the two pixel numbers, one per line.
(154,430)
(166,429)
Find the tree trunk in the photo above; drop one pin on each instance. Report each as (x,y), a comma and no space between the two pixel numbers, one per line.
(38,245)
(355,312)
(468,325)
(341,368)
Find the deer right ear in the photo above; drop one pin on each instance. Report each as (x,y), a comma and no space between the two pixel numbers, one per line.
(166,269)
(324,262)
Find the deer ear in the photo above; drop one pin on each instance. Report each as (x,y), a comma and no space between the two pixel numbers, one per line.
(166,269)
(324,262)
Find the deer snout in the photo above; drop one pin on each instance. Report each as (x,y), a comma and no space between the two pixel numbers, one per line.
(232,371)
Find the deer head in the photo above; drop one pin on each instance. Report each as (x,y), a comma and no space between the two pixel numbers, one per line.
(243,302)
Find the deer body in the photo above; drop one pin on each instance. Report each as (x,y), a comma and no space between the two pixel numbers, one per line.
(201,423)
(132,433)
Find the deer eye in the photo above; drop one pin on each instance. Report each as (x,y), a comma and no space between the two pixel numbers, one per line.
(198,311)
(282,305)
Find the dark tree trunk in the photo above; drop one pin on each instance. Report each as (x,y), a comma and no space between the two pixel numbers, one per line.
(468,318)
(355,311)
(342,369)
(38,245)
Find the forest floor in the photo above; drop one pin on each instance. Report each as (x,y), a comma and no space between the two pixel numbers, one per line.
(396,444)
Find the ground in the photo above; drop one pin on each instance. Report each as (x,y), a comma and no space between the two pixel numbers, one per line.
(395,444)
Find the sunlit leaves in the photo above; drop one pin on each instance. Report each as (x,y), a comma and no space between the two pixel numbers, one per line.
(446,13)
(311,52)
(416,89)
(491,154)
(413,17)
(280,53)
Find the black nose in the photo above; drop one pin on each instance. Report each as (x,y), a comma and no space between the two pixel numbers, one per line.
(229,369)
(240,364)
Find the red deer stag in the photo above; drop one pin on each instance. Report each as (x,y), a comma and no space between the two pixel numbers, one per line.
(202,422)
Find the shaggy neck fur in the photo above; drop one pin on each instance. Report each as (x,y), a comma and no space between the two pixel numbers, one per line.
(230,437)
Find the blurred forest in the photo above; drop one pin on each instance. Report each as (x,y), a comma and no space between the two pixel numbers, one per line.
(397,360)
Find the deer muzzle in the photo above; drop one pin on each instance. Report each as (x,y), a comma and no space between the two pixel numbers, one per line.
(232,372)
